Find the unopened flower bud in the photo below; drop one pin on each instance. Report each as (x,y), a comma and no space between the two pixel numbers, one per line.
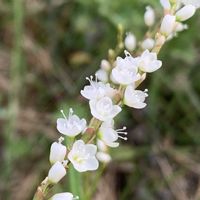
(185,13)
(148,43)
(130,42)
(103,157)
(180,27)
(105,65)
(64,196)
(149,16)
(168,24)
(165,4)
(57,152)
(56,172)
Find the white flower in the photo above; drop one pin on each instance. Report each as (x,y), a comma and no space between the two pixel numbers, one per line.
(135,98)
(103,109)
(56,172)
(64,196)
(57,152)
(105,65)
(103,157)
(148,43)
(97,90)
(148,62)
(168,24)
(149,16)
(195,3)
(125,71)
(165,4)
(130,41)
(71,125)
(102,75)
(82,156)
(185,13)
(109,136)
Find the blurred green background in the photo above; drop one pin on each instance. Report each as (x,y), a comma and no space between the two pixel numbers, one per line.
(47,48)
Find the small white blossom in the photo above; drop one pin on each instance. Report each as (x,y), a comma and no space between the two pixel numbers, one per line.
(82,156)
(64,196)
(103,109)
(185,13)
(130,41)
(148,43)
(149,16)
(125,71)
(109,136)
(56,172)
(57,152)
(103,157)
(97,90)
(168,24)
(102,75)
(135,98)
(148,62)
(71,125)
(165,4)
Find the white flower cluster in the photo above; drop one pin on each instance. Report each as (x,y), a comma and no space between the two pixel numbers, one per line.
(172,23)
(114,85)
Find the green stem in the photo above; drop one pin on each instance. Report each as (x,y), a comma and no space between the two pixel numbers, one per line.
(15,81)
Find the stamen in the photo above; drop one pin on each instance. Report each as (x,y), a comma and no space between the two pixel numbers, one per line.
(123,133)
(91,79)
(63,114)
(121,129)
(61,139)
(123,138)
